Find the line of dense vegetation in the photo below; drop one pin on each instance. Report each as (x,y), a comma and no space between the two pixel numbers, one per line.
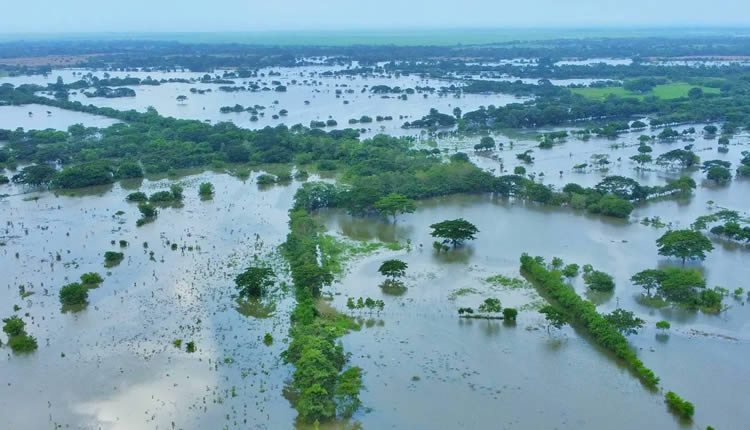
(322,388)
(550,283)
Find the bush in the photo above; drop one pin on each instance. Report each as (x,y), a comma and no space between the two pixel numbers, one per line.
(161,197)
(266,179)
(74,294)
(13,326)
(510,314)
(206,189)
(91,278)
(682,407)
(137,197)
(112,258)
(22,343)
(599,281)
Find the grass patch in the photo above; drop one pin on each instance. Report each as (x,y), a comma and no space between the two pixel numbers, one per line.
(508,282)
(336,253)
(461,292)
(667,91)
(341,323)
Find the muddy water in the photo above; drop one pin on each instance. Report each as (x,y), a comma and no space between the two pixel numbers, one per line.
(113,365)
(429,369)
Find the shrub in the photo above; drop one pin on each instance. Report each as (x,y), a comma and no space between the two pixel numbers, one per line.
(510,314)
(599,281)
(74,294)
(137,197)
(22,343)
(112,258)
(682,407)
(91,278)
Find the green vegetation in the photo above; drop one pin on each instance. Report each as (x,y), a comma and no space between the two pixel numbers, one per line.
(112,258)
(666,91)
(454,231)
(393,268)
(681,407)
(683,286)
(394,204)
(684,244)
(18,340)
(570,306)
(599,281)
(92,279)
(206,190)
(255,281)
(74,294)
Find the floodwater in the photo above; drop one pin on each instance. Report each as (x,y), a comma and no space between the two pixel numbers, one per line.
(313,97)
(113,365)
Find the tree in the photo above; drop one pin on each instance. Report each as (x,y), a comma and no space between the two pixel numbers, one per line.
(147,210)
(684,244)
(454,231)
(648,279)
(35,175)
(599,281)
(254,281)
(393,268)
(457,112)
(641,159)
(710,129)
(74,294)
(554,317)
(663,325)
(490,305)
(394,204)
(719,174)
(181,99)
(624,321)
(13,326)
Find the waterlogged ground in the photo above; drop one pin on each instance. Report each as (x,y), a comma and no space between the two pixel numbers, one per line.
(426,368)
(113,365)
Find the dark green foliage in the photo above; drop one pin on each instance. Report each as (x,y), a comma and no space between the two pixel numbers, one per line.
(22,343)
(91,278)
(85,175)
(599,281)
(570,271)
(684,244)
(490,305)
(255,281)
(585,314)
(266,179)
(147,210)
(137,197)
(393,268)
(129,169)
(510,314)
(36,175)
(555,318)
(394,204)
(624,321)
(74,294)
(112,258)
(13,326)
(454,231)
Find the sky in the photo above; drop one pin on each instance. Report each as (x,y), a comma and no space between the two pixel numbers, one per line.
(55,16)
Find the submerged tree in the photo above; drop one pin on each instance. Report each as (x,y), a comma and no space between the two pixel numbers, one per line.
(393,268)
(394,204)
(554,317)
(254,281)
(684,244)
(454,231)
(624,321)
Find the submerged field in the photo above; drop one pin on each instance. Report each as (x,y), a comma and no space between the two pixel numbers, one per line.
(116,364)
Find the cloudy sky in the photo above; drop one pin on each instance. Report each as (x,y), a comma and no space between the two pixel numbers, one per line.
(32,16)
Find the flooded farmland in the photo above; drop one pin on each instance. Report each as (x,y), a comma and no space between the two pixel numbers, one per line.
(114,364)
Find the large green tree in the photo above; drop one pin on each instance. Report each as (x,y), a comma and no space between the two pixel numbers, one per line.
(254,281)
(393,268)
(394,204)
(684,244)
(454,231)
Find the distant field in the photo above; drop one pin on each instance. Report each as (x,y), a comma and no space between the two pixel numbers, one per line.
(404,37)
(667,91)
